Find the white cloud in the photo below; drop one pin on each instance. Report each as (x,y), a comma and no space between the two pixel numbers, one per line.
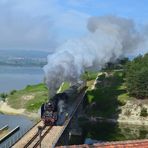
(36,24)
(22,25)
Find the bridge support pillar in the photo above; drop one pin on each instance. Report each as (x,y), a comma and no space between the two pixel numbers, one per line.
(66,138)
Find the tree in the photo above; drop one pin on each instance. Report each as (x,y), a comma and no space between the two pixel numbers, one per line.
(137,77)
(3,96)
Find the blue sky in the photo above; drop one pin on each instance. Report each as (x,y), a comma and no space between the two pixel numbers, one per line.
(134,9)
(44,24)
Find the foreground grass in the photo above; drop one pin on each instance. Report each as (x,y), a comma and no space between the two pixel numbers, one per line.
(29,98)
(109,94)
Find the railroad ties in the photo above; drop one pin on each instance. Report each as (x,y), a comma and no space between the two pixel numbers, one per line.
(34,142)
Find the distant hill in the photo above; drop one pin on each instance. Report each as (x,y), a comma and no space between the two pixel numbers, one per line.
(23,57)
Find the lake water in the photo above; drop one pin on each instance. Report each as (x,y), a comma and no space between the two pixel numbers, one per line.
(13,121)
(18,77)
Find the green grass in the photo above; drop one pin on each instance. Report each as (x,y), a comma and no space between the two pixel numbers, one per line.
(65,86)
(29,98)
(1,112)
(108,96)
(122,98)
(89,75)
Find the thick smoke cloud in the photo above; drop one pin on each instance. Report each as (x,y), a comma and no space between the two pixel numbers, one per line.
(109,38)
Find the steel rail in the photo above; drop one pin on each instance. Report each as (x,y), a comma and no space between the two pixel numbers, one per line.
(42,137)
(36,143)
(32,139)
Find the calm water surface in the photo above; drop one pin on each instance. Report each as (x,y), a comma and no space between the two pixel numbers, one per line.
(13,121)
(18,77)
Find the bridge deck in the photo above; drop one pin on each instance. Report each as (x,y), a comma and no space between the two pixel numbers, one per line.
(51,138)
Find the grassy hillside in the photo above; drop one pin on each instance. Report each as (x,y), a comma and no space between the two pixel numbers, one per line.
(109,94)
(29,98)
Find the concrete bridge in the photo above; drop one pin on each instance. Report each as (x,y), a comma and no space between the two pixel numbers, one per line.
(52,136)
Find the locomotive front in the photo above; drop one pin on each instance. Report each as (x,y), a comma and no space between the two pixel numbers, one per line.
(49,113)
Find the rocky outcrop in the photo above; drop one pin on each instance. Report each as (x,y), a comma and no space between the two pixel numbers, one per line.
(134,112)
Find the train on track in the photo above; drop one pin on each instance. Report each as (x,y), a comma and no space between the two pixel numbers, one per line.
(57,105)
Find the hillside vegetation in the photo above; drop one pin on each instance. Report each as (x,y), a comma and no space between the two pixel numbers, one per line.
(29,98)
(117,90)
(109,93)
(137,77)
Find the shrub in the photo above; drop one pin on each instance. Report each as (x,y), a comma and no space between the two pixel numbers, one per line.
(127,112)
(144,112)
(12,92)
(3,96)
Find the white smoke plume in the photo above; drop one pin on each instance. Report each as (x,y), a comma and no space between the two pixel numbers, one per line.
(109,38)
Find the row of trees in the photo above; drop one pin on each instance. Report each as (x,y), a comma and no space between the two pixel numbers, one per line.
(137,77)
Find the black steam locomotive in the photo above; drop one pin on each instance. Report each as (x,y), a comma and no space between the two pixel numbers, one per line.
(56,106)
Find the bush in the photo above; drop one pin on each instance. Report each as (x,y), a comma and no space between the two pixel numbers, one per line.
(12,92)
(144,112)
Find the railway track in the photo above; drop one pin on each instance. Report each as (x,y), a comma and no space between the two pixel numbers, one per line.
(34,142)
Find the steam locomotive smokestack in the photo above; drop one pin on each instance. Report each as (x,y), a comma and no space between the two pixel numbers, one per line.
(109,38)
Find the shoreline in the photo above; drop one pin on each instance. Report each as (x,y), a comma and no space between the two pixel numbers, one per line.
(8,110)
